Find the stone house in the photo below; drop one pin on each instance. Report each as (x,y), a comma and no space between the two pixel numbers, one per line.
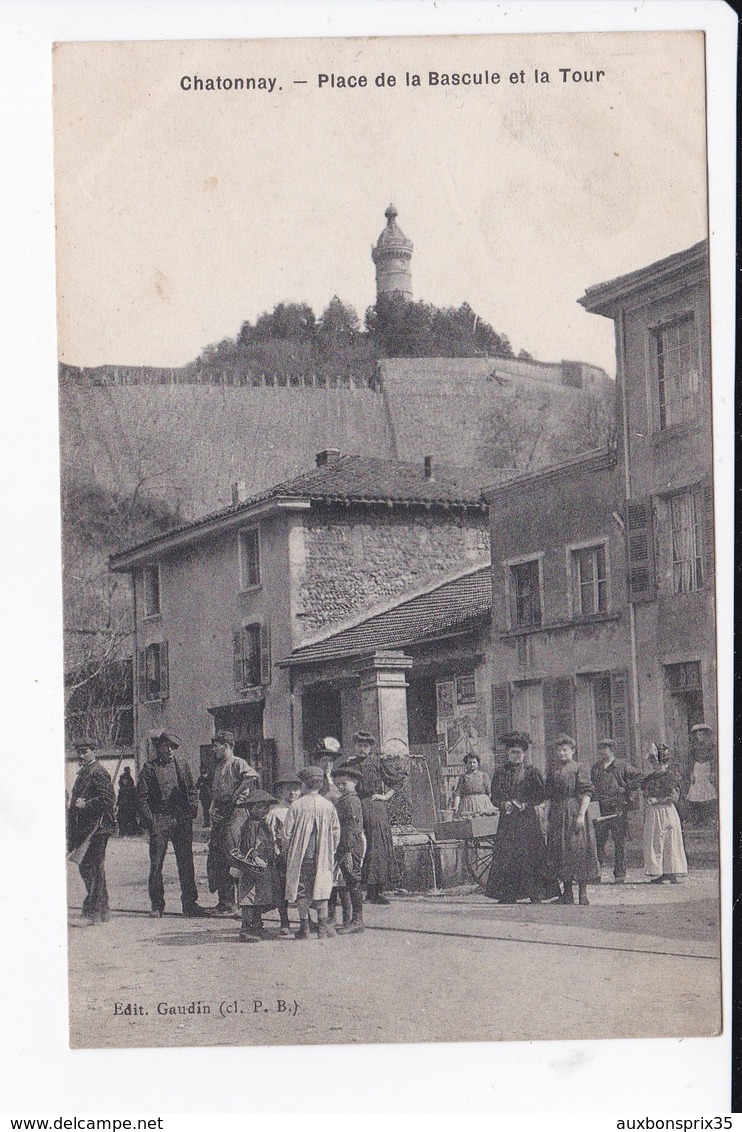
(218,601)
(603,566)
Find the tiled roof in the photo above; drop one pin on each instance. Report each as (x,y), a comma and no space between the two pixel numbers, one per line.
(602,298)
(452,605)
(354,479)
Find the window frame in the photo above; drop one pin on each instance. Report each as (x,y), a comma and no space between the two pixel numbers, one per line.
(511,564)
(659,404)
(244,585)
(698,528)
(163,685)
(150,615)
(574,591)
(254,627)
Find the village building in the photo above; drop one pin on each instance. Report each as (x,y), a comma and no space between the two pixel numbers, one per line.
(220,600)
(663,358)
(603,566)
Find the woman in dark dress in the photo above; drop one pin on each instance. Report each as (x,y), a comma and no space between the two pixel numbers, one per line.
(377,785)
(519,860)
(570,838)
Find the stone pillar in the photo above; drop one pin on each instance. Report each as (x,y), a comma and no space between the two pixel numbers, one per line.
(383,688)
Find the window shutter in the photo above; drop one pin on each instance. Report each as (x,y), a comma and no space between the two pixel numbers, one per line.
(237,647)
(620,713)
(265,654)
(640,549)
(709,553)
(559,711)
(142,675)
(502,715)
(164,672)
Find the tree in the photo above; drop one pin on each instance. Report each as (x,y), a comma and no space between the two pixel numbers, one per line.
(338,326)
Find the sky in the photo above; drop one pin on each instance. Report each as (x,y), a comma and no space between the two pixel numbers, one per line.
(182,213)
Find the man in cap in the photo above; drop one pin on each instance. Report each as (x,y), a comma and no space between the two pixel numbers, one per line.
(311,830)
(703,788)
(168,803)
(90,819)
(351,849)
(615,783)
(230,786)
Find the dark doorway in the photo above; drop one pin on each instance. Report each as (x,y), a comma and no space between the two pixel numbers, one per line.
(422,710)
(321,714)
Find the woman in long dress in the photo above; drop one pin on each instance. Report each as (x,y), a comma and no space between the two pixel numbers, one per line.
(570,838)
(664,852)
(518,867)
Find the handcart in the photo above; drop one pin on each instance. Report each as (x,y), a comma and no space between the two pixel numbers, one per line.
(477,832)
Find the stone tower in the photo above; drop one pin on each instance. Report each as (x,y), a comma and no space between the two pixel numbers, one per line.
(392,256)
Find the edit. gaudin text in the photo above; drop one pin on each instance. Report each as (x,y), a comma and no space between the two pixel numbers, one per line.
(196,82)
(183,1008)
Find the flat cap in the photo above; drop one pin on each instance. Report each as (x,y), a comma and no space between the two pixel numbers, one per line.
(165,736)
(259,796)
(225,737)
(312,774)
(364,737)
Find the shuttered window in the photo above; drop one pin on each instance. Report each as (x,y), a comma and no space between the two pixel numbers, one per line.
(154,673)
(525,594)
(502,714)
(559,711)
(252,656)
(677,368)
(611,709)
(589,580)
(640,549)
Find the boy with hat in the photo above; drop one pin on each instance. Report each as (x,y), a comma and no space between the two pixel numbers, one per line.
(350,849)
(251,864)
(288,790)
(312,832)
(168,804)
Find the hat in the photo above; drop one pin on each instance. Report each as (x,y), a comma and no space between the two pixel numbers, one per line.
(328,746)
(288,780)
(516,739)
(346,771)
(566,740)
(80,748)
(607,743)
(700,727)
(226,737)
(312,774)
(162,736)
(259,796)
(364,737)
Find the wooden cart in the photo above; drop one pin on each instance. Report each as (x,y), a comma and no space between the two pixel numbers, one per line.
(478,835)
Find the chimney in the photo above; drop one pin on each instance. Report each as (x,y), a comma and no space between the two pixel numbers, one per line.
(327,456)
(239,492)
(429,468)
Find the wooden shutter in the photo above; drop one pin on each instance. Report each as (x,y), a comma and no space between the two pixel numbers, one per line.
(620,716)
(164,672)
(559,711)
(502,714)
(142,675)
(265,654)
(640,549)
(709,550)
(237,647)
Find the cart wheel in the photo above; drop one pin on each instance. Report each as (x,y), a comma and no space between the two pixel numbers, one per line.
(479,855)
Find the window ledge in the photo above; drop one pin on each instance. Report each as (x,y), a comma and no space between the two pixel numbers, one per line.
(148,617)
(552,626)
(252,589)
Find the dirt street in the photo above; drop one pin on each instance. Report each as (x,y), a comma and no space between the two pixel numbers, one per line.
(642,961)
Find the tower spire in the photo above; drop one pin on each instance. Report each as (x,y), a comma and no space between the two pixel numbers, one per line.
(392,255)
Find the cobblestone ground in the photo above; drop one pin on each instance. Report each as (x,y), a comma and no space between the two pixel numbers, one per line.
(641,961)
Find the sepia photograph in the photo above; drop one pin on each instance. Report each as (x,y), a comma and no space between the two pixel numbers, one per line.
(387,505)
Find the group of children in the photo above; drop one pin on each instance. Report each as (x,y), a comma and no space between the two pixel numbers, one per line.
(300,848)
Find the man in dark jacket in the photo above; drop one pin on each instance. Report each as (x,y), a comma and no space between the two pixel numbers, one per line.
(615,783)
(90,818)
(168,803)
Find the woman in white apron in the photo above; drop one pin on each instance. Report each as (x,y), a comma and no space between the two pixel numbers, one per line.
(664,852)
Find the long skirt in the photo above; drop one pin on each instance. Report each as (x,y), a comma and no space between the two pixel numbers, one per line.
(664,852)
(519,858)
(570,853)
(379,866)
